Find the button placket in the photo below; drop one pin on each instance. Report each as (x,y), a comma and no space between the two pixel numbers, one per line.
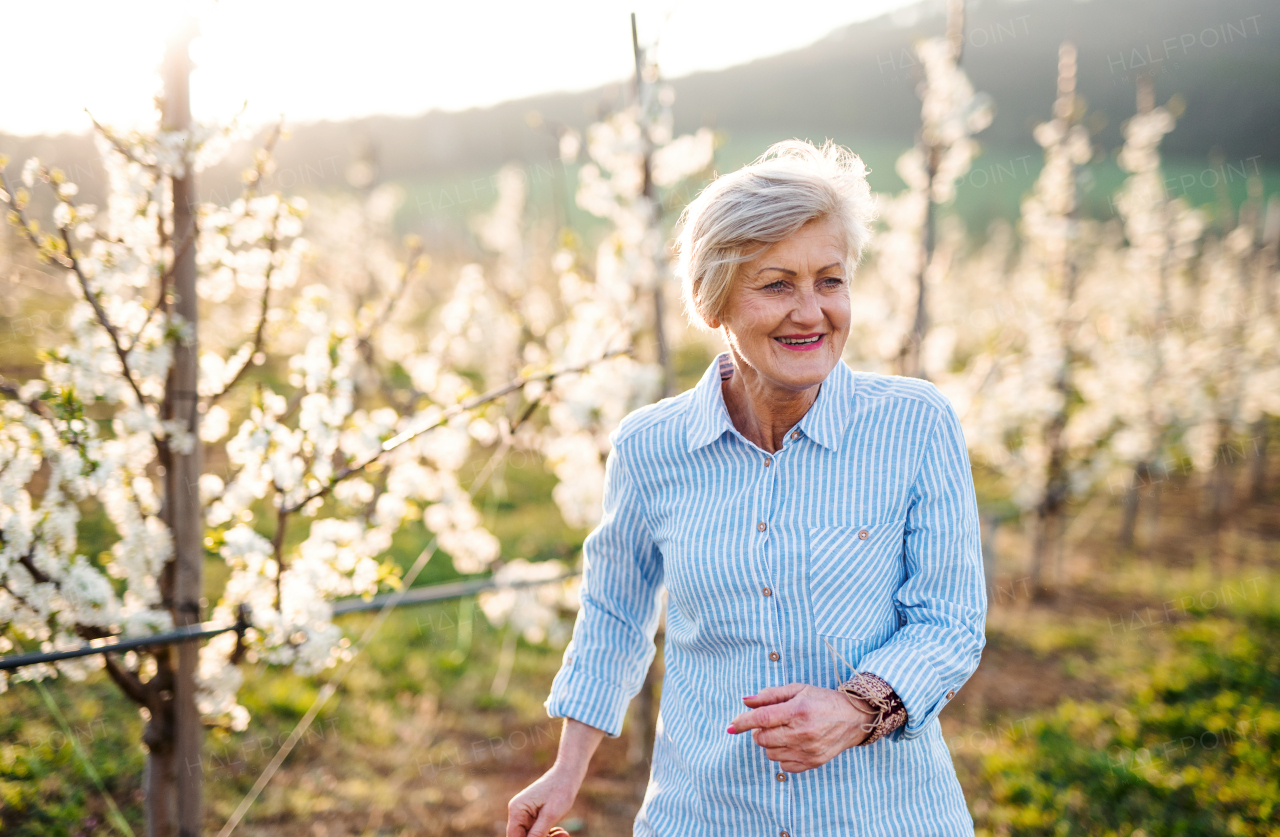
(767,471)
(783,799)
(769,484)
(775,573)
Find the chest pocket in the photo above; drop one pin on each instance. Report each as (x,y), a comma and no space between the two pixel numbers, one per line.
(854,572)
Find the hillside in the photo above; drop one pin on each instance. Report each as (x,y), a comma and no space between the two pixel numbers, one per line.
(857,85)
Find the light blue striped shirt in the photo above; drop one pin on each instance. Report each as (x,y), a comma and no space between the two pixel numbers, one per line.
(864,529)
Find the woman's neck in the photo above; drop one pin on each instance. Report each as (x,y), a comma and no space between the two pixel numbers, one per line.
(761,412)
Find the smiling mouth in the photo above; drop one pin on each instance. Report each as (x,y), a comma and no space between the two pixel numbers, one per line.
(801,341)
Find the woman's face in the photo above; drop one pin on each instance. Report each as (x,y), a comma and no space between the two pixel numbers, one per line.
(787,314)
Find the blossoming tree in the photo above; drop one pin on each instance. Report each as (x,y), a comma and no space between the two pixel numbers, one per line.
(1142,352)
(315,474)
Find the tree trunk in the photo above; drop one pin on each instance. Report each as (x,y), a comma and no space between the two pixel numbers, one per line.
(1258,460)
(1220,481)
(1047,530)
(1046,541)
(910,359)
(650,193)
(644,709)
(913,361)
(990,561)
(1057,487)
(175,771)
(1129,523)
(1151,536)
(910,356)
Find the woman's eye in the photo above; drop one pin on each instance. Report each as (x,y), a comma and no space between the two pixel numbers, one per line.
(775,286)
(833,281)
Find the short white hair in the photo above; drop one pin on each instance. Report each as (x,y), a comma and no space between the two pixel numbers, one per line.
(739,215)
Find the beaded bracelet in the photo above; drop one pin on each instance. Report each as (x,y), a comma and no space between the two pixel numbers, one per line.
(890,713)
(879,695)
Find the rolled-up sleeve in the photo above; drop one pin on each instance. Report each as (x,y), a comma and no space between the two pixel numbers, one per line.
(943,600)
(621,597)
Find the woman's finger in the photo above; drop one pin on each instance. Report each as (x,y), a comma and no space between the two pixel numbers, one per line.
(773,694)
(543,826)
(774,737)
(783,757)
(519,820)
(767,716)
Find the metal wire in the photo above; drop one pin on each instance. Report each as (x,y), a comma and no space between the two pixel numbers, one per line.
(108,645)
(204,630)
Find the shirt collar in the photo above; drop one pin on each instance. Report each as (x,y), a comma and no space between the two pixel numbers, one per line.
(825,422)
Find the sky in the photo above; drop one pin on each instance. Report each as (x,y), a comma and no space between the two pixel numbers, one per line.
(336,60)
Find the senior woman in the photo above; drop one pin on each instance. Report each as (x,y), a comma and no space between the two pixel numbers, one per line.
(816,531)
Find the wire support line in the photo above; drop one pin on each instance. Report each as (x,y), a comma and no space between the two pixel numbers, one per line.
(440,593)
(110,645)
(204,630)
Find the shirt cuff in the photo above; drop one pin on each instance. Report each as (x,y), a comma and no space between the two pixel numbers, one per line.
(596,703)
(915,681)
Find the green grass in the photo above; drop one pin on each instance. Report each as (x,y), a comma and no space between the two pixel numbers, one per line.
(45,790)
(1192,749)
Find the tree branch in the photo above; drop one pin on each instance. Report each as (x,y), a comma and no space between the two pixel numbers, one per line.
(164,286)
(277,541)
(462,407)
(35,405)
(365,338)
(125,679)
(265,308)
(120,147)
(40,576)
(5,587)
(128,682)
(69,261)
(74,265)
(527,414)
(261,159)
(411,267)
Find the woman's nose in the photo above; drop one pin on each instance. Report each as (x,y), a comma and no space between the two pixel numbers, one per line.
(807,309)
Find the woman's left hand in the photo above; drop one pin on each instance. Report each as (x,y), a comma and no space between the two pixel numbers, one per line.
(802,726)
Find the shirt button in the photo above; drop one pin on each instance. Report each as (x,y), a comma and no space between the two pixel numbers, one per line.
(761,526)
(862,536)
(784,834)
(775,656)
(951,694)
(767,591)
(768,461)
(795,434)
(782,777)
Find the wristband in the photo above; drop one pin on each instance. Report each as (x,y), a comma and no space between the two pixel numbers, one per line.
(890,713)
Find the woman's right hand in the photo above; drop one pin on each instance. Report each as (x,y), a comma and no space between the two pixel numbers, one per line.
(533,811)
